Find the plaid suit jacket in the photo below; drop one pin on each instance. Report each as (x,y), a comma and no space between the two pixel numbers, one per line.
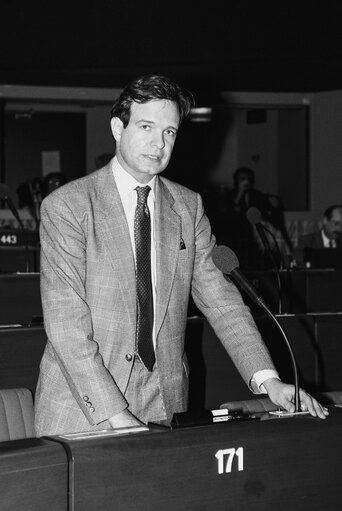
(89,302)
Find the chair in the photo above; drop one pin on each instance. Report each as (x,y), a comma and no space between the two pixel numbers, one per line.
(264,404)
(16,414)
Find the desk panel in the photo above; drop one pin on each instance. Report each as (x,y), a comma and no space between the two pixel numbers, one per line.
(329,338)
(33,476)
(14,259)
(21,350)
(302,291)
(323,291)
(20,300)
(280,463)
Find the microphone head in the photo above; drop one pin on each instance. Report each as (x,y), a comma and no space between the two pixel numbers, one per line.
(254,215)
(4,191)
(224,259)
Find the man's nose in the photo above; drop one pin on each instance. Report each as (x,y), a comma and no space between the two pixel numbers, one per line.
(158,140)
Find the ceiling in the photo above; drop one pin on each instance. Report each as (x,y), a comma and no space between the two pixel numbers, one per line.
(225,45)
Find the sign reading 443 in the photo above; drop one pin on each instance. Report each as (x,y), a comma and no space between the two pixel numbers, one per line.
(8,239)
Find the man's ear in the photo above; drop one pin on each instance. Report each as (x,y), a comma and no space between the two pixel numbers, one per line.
(117,127)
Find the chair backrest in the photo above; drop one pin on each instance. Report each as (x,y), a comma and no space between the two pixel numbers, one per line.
(264,404)
(16,414)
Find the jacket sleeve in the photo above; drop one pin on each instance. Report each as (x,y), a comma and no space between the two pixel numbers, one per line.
(67,317)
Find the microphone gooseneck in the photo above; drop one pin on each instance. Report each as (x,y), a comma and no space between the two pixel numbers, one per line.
(254,217)
(227,262)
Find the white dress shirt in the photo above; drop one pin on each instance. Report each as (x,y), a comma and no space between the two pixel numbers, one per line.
(126,185)
(327,242)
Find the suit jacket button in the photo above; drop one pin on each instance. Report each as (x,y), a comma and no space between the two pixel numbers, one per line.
(85,398)
(129,357)
(92,409)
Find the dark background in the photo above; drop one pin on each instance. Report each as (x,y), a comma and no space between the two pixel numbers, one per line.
(221,45)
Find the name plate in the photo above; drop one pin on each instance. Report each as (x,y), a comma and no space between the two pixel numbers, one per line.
(16,238)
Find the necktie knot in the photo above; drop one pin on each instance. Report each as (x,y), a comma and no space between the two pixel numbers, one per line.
(142,192)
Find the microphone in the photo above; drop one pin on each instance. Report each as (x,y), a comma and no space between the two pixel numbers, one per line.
(36,193)
(4,194)
(227,262)
(254,217)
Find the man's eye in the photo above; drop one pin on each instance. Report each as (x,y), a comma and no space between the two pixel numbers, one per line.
(145,127)
(171,133)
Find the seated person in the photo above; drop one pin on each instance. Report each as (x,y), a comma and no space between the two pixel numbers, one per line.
(52,181)
(244,194)
(330,235)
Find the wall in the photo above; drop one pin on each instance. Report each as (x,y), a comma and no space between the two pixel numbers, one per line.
(326,150)
(325,129)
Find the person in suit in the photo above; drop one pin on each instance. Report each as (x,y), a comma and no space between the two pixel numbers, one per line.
(330,235)
(93,374)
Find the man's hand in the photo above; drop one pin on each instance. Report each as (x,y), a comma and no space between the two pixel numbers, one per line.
(124,419)
(283,395)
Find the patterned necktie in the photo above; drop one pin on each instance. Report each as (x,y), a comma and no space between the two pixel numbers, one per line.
(142,239)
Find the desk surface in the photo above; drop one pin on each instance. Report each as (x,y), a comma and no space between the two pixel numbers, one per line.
(251,465)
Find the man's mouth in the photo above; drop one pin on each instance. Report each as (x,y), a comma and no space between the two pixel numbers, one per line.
(153,157)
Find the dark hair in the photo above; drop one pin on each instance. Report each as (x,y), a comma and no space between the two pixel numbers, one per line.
(329,211)
(52,181)
(243,170)
(148,88)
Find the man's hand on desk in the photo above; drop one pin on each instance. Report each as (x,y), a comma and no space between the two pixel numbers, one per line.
(124,419)
(283,395)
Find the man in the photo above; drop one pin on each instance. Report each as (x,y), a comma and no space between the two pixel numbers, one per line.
(94,373)
(244,194)
(329,236)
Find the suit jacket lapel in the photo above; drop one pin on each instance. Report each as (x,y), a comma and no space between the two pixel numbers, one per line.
(114,230)
(168,234)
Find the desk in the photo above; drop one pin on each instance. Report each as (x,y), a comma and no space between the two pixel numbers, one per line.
(303,291)
(33,476)
(21,350)
(20,300)
(280,463)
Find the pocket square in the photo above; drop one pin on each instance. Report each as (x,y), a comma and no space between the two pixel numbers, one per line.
(182,244)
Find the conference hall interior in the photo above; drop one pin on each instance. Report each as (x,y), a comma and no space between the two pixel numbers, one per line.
(262,147)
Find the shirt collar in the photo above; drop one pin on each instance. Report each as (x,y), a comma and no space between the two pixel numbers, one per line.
(326,240)
(125,182)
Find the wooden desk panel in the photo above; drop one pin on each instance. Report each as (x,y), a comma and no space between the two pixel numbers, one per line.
(33,476)
(20,300)
(302,291)
(21,350)
(329,361)
(281,463)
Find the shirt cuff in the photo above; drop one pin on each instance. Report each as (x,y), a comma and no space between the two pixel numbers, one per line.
(260,377)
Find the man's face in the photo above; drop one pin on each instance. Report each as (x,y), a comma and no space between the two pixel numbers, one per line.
(333,227)
(145,146)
